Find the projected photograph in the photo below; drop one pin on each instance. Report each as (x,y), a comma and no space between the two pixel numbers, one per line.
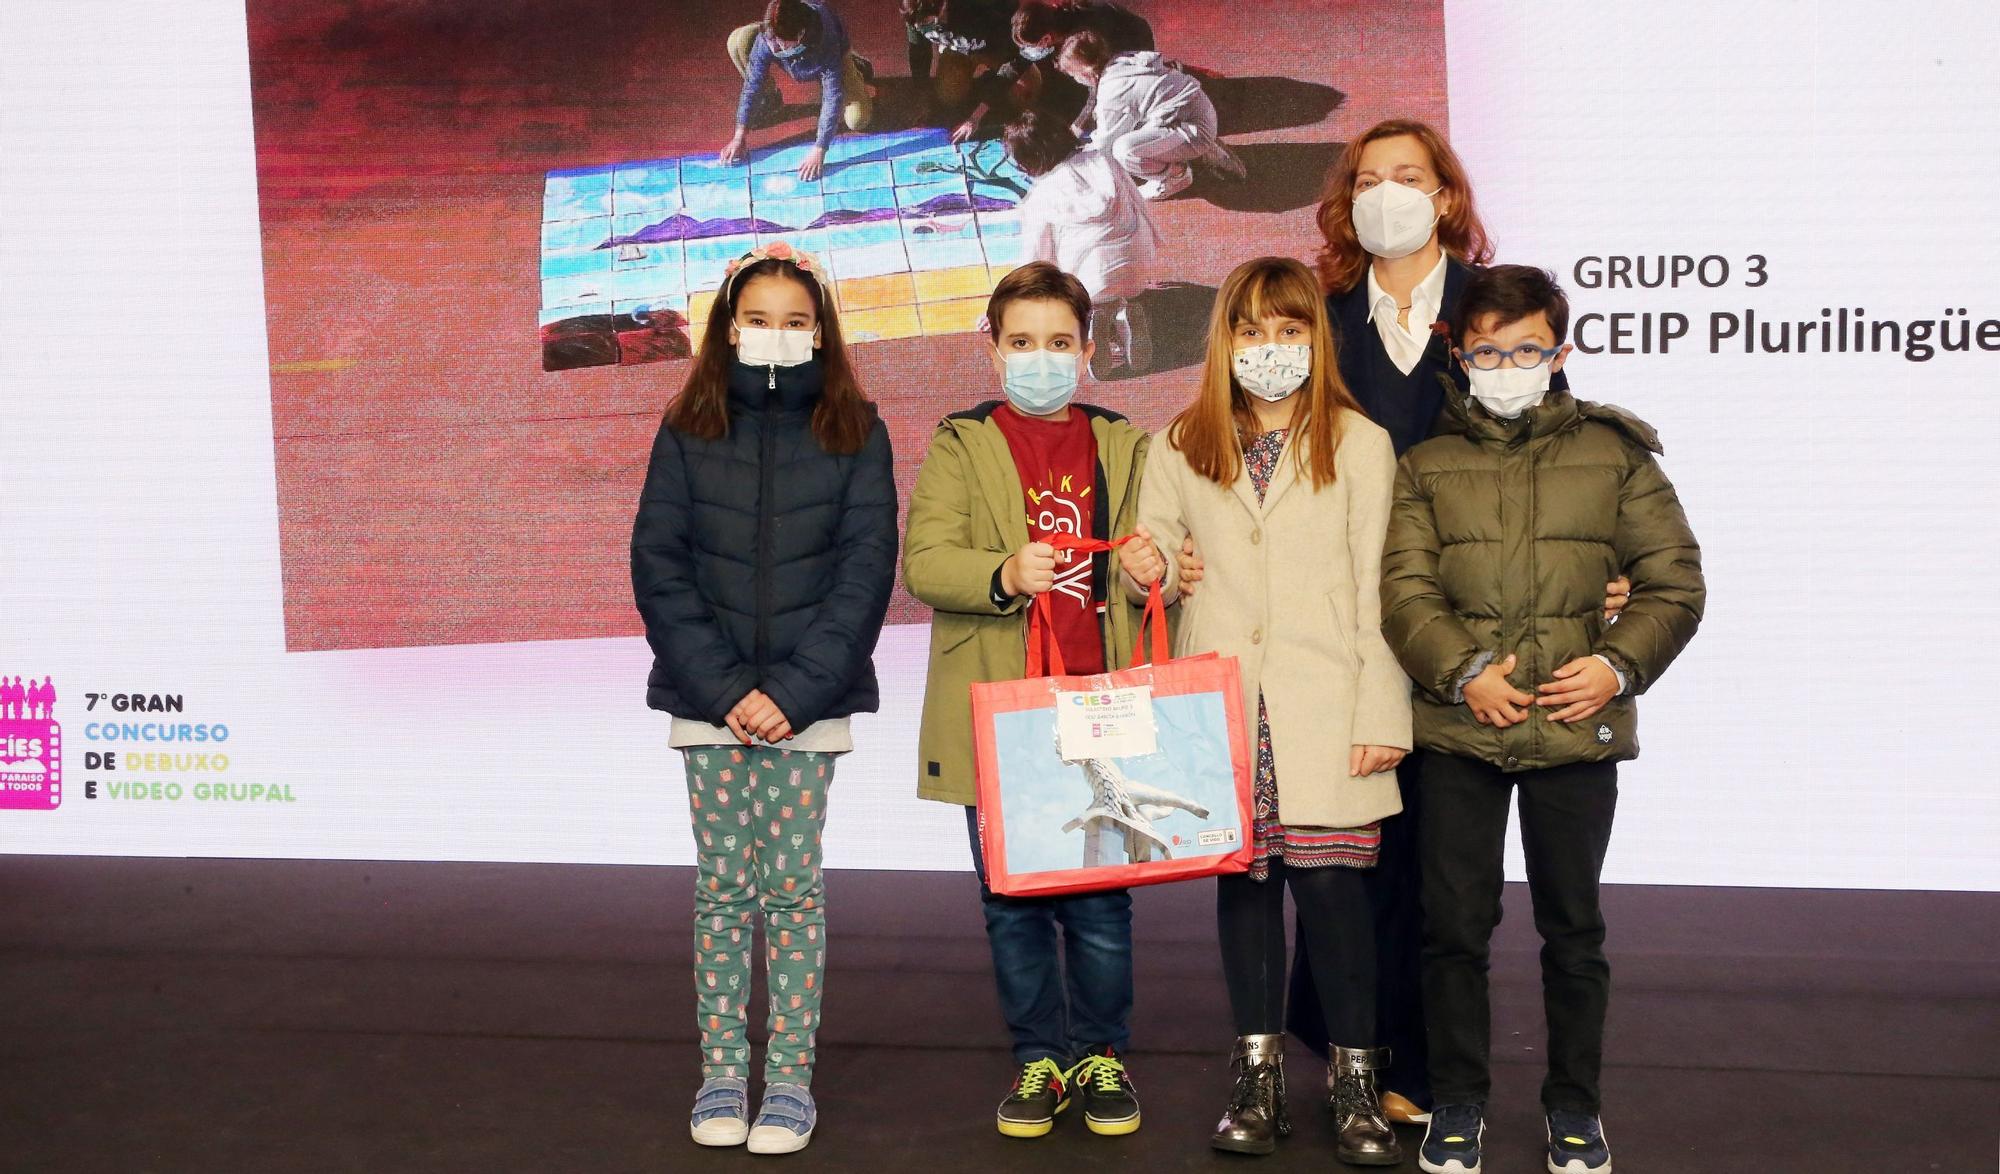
(492,234)
(913,229)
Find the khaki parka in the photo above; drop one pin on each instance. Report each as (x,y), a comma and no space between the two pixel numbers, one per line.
(968,513)
(1501,538)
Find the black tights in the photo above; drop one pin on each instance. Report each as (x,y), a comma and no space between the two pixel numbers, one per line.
(1337,928)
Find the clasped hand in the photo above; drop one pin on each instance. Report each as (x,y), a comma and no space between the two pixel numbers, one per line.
(1140,556)
(757,716)
(1580,688)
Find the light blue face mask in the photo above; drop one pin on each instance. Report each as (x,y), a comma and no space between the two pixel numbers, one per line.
(788,54)
(1040,383)
(1037,52)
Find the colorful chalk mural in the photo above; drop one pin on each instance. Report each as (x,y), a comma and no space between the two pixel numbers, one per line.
(914,231)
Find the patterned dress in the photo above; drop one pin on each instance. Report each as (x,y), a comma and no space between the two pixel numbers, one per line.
(1297,847)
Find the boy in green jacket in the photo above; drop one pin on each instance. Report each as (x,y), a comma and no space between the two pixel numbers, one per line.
(999,480)
(1505,527)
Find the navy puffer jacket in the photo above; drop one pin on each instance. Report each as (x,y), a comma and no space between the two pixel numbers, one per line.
(762,561)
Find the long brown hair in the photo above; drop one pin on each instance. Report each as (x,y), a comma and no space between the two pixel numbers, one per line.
(1210,432)
(1342,260)
(841,419)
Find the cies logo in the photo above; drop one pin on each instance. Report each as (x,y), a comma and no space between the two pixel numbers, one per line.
(30,745)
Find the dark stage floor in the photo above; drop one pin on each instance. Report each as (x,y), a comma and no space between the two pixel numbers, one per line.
(167,1015)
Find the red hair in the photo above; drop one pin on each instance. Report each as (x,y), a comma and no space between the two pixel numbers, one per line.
(1342,260)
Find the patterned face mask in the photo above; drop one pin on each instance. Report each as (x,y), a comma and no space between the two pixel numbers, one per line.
(1273,370)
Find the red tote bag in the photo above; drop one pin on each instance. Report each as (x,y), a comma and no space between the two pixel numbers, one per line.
(1134,777)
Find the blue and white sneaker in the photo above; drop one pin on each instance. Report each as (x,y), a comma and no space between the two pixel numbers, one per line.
(1576,1144)
(1451,1143)
(721,1111)
(785,1123)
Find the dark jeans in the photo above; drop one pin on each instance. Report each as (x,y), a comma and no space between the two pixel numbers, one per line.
(1565,828)
(1336,930)
(1057,1011)
(1395,888)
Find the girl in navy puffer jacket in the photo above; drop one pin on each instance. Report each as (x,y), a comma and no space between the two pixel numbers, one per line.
(762,561)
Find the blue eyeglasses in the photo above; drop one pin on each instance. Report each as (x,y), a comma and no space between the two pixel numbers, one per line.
(1527,356)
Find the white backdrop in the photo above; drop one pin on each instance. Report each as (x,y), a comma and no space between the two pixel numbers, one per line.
(1828,727)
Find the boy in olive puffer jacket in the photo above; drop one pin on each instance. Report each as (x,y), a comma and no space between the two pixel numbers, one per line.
(1505,528)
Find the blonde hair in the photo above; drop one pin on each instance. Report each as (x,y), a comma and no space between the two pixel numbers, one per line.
(1210,432)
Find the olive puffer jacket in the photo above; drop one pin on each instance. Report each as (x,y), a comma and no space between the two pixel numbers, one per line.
(1501,539)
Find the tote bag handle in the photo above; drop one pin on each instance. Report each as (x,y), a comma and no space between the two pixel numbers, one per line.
(1044,654)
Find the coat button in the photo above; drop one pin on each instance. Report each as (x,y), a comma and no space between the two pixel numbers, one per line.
(1513,761)
(1256,635)
(1256,536)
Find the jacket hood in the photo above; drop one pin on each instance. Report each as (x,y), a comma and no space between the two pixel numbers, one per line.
(1145,61)
(797,390)
(1558,412)
(967,422)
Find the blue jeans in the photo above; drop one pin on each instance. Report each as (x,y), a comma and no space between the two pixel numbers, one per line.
(1059,1012)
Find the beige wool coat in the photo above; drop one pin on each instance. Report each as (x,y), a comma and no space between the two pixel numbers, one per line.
(1292,589)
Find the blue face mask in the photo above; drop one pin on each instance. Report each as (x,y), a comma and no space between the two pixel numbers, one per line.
(788,54)
(1040,383)
(1037,52)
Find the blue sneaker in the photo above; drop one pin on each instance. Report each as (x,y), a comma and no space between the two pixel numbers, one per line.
(785,1122)
(721,1112)
(1451,1143)
(1576,1144)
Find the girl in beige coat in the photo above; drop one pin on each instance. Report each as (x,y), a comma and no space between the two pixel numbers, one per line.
(1285,486)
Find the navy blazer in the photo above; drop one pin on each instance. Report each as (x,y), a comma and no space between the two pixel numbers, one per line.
(1409,406)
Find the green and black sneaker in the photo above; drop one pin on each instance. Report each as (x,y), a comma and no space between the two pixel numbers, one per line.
(1040,1092)
(1110,1103)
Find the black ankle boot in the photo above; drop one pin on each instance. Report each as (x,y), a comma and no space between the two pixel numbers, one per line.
(1255,1118)
(1366,1137)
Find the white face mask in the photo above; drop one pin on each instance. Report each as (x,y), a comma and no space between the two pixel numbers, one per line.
(1506,392)
(760,346)
(1394,219)
(1037,52)
(1273,370)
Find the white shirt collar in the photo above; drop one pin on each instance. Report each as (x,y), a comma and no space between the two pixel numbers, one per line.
(1425,300)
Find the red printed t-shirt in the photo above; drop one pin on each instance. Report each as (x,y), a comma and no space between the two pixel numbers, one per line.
(1058,467)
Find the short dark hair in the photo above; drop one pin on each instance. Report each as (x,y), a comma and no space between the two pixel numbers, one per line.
(1038,142)
(1039,281)
(790,20)
(922,10)
(1510,292)
(1087,48)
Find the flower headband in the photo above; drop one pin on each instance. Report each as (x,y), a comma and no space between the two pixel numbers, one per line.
(799,259)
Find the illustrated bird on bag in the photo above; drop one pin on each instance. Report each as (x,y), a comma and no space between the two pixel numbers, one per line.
(1128,809)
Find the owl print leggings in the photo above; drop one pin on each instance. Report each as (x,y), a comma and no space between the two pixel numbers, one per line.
(757,818)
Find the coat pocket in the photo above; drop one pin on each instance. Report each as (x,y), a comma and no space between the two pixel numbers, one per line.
(949,632)
(1340,609)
